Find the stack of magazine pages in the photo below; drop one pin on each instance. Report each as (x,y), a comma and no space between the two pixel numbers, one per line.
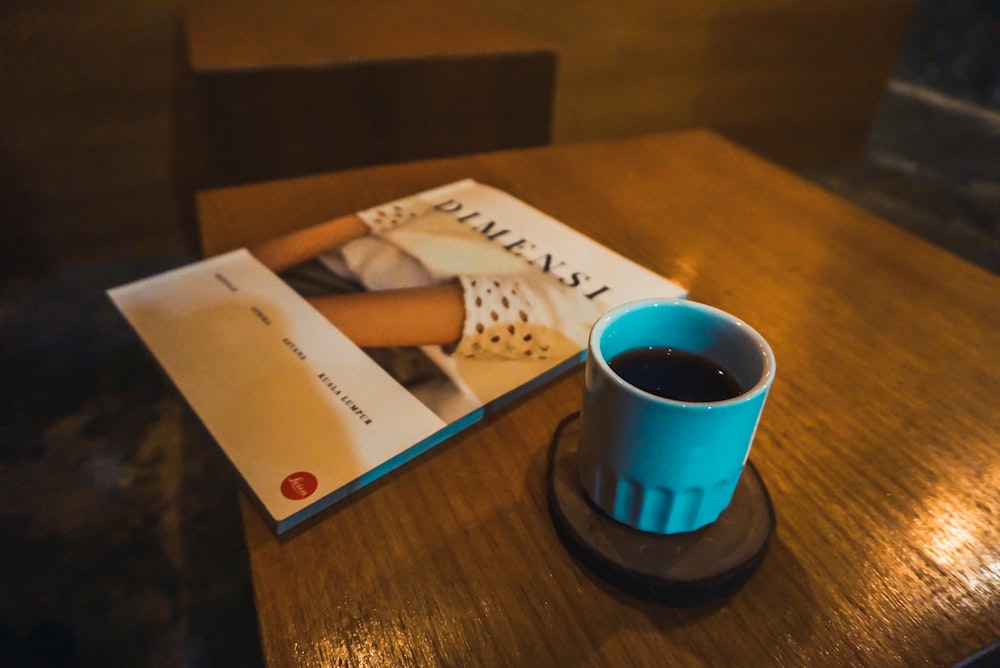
(322,360)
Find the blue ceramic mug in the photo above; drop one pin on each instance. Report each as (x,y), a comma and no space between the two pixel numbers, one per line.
(669,465)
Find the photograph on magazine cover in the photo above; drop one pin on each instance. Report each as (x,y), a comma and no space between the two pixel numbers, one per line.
(455,303)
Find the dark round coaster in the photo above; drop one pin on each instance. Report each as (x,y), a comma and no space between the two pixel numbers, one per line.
(684,569)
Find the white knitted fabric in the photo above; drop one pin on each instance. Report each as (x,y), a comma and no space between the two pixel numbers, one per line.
(521,317)
(525,315)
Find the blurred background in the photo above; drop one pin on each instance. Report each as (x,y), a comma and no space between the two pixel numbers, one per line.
(120,538)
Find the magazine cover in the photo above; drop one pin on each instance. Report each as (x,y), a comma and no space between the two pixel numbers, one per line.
(323,359)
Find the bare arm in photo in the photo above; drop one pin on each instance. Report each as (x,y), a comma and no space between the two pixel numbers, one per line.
(296,247)
(406,317)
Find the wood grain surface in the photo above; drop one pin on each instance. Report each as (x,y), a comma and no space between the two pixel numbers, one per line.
(879,443)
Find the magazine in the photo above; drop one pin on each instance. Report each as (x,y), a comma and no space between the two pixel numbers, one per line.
(321,360)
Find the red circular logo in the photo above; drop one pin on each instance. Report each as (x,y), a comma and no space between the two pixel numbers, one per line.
(298,485)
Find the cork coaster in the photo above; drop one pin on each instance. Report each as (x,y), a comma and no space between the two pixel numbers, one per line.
(685,569)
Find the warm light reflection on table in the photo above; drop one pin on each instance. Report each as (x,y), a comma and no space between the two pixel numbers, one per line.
(960,534)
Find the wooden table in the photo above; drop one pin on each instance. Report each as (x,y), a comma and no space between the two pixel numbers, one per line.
(880,442)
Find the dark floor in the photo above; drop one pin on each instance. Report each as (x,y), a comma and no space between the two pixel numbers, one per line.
(120,541)
(932,167)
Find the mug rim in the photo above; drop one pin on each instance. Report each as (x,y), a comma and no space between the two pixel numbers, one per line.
(613,314)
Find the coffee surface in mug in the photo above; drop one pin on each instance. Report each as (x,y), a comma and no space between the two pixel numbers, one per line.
(675,374)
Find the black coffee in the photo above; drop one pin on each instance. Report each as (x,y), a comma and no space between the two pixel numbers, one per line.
(675,374)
